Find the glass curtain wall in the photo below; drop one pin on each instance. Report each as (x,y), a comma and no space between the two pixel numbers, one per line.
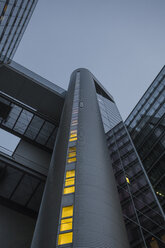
(143,218)
(14,17)
(146,125)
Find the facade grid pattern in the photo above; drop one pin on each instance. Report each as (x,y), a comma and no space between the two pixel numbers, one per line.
(14,17)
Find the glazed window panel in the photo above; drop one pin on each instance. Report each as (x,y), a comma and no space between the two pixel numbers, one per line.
(71,160)
(67,211)
(72,149)
(75,111)
(72,154)
(69,190)
(65,238)
(66,224)
(70,173)
(73,135)
(127,179)
(70,181)
(73,139)
(74,123)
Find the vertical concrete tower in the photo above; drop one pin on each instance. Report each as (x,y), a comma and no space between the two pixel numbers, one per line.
(80,206)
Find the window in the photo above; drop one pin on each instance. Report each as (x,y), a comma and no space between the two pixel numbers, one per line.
(65,238)
(127,179)
(66,224)
(73,135)
(71,160)
(74,122)
(73,139)
(72,154)
(67,211)
(72,149)
(70,181)
(70,173)
(69,190)
(75,111)
(74,132)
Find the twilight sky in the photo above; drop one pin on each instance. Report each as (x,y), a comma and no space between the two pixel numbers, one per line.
(122,42)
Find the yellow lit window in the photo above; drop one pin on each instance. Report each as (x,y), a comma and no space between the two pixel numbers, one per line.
(73,135)
(66,224)
(67,211)
(72,149)
(65,238)
(70,173)
(71,160)
(127,179)
(72,154)
(69,181)
(73,139)
(69,190)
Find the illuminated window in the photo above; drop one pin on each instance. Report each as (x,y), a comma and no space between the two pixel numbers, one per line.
(72,149)
(127,179)
(69,181)
(66,224)
(71,160)
(69,190)
(73,133)
(67,211)
(71,154)
(65,238)
(73,139)
(70,173)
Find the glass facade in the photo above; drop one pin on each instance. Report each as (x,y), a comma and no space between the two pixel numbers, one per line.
(14,17)
(109,111)
(141,210)
(146,125)
(26,123)
(143,218)
(136,149)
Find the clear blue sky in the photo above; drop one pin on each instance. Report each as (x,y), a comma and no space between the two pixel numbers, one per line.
(122,42)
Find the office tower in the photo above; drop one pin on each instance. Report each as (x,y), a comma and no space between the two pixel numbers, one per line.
(146,125)
(142,212)
(14,18)
(77,143)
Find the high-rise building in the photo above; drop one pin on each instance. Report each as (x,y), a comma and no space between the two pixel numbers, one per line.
(142,212)
(14,18)
(146,125)
(98,192)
